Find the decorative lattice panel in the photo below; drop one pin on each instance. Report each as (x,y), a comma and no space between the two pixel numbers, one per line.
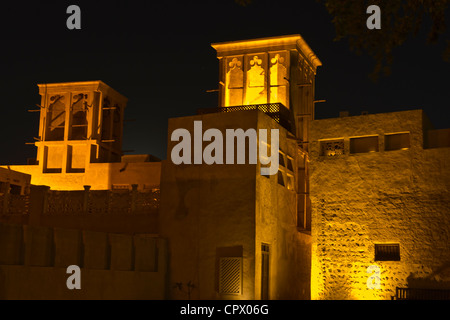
(230,276)
(332,148)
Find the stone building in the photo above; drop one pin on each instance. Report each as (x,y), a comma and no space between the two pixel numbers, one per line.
(358,206)
(80,141)
(380,192)
(236,233)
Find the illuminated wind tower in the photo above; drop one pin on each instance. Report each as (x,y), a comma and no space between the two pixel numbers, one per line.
(80,123)
(270,71)
(277,76)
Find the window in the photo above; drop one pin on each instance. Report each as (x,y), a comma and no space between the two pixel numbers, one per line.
(278,74)
(332,148)
(281,178)
(265,261)
(79,117)
(230,275)
(234,83)
(290,181)
(286,176)
(281,158)
(387,252)
(56,118)
(364,144)
(397,141)
(289,163)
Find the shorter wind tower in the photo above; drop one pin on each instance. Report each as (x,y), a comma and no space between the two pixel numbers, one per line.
(80,123)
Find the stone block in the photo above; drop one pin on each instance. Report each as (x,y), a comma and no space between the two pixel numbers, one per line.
(122,255)
(68,246)
(146,253)
(96,250)
(39,246)
(11,244)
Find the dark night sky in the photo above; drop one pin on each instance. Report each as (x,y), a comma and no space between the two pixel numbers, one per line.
(159,56)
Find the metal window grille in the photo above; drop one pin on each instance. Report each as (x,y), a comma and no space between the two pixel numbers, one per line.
(230,278)
(387,252)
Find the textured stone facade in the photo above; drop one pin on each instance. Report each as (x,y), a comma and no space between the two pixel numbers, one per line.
(360,200)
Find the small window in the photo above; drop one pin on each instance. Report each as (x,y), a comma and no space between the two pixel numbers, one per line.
(332,148)
(387,252)
(281,159)
(230,279)
(281,178)
(364,144)
(290,181)
(265,271)
(289,164)
(56,118)
(15,189)
(398,141)
(79,123)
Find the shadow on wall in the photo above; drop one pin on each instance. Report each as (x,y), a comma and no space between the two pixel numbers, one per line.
(438,279)
(340,287)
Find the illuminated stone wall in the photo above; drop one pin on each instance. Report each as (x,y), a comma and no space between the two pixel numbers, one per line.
(100,176)
(213,211)
(362,199)
(276,225)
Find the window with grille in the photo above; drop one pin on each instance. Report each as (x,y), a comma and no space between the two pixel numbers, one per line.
(230,275)
(332,148)
(387,252)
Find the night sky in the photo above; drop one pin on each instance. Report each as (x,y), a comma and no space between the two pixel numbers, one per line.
(159,56)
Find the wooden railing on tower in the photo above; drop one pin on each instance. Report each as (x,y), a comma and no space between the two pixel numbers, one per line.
(277,111)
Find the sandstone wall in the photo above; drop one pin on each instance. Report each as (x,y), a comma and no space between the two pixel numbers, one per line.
(359,200)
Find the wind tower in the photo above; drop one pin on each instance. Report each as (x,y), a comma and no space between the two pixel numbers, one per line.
(80,123)
(268,72)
